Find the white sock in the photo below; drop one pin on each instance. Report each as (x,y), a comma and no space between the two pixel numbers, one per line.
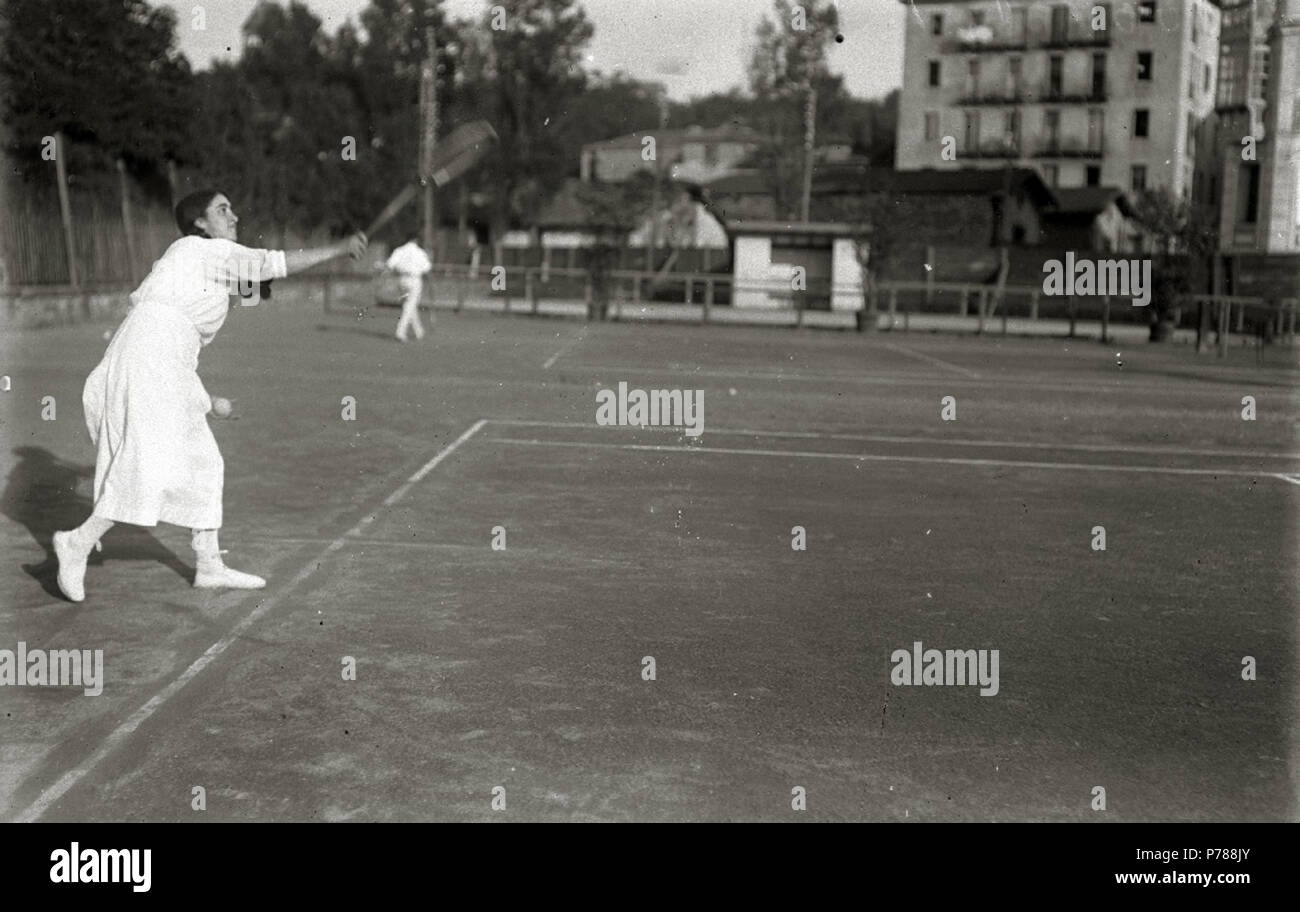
(206,547)
(87,535)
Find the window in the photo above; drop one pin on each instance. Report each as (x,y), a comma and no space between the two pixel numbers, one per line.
(973,77)
(1144,65)
(1052,129)
(934,73)
(1011,128)
(1139,178)
(1196,34)
(1191,133)
(936,24)
(1096,129)
(1013,77)
(1206,80)
(971,139)
(1191,88)
(976,17)
(1141,123)
(931,125)
(1051,174)
(1146,10)
(1098,75)
(1094,176)
(1019,20)
(1056,76)
(1249,207)
(1060,24)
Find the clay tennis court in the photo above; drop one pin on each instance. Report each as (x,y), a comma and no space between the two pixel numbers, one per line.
(522,668)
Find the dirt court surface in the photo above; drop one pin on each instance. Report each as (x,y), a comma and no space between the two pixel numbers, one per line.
(522,668)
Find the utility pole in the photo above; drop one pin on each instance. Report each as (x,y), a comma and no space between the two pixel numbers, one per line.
(654,205)
(65,205)
(809,140)
(429,135)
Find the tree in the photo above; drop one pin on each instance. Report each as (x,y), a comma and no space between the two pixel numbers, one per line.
(788,62)
(107,73)
(1185,238)
(526,75)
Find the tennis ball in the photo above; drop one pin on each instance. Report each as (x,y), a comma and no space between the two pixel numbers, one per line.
(221,407)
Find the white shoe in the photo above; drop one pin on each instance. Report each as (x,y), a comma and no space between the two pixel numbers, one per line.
(222,577)
(72,567)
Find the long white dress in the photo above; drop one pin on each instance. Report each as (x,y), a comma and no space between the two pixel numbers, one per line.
(146,408)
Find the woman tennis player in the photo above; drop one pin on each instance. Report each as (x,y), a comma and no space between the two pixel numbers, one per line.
(146,408)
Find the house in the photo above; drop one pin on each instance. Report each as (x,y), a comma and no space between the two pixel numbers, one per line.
(694,155)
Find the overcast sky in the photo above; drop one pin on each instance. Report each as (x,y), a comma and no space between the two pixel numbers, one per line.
(693,46)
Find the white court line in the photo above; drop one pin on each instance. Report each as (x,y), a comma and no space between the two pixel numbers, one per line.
(119,735)
(1029,384)
(563,350)
(881,438)
(872,457)
(1293,479)
(893,346)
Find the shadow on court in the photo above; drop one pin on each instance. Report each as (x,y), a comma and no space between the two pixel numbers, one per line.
(44,494)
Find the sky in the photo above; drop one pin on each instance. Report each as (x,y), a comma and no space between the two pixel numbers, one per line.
(692,46)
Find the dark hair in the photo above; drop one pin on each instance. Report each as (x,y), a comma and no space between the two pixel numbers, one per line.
(193,207)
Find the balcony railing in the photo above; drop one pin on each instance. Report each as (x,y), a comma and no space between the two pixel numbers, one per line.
(995,148)
(1069,147)
(1078,39)
(1043,94)
(1090,94)
(988,41)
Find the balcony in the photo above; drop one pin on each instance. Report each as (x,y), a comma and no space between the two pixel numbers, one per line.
(1077,39)
(1092,94)
(1069,147)
(1006,96)
(1016,95)
(1006,149)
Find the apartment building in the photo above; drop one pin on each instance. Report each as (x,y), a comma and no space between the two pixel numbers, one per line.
(1259,127)
(1113,94)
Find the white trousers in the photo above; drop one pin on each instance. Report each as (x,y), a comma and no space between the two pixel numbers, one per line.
(411,285)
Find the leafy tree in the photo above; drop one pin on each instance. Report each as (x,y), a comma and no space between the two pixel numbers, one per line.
(105,72)
(527,76)
(1185,238)
(789,60)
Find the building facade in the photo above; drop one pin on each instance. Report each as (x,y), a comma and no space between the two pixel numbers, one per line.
(694,154)
(1091,94)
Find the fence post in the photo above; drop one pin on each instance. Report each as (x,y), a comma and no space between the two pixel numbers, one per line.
(965,305)
(893,305)
(982,303)
(708,296)
(1069,303)
(1225,314)
(690,290)
(588,295)
(1241,314)
(530,289)
(1105,318)
(1004,307)
(1033,304)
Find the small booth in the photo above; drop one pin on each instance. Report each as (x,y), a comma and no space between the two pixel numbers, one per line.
(767,255)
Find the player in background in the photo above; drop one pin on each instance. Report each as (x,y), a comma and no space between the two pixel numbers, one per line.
(411,263)
(146,408)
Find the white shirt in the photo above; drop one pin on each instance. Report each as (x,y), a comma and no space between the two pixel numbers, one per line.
(410,259)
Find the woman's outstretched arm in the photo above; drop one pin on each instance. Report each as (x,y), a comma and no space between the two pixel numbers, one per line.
(298,260)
